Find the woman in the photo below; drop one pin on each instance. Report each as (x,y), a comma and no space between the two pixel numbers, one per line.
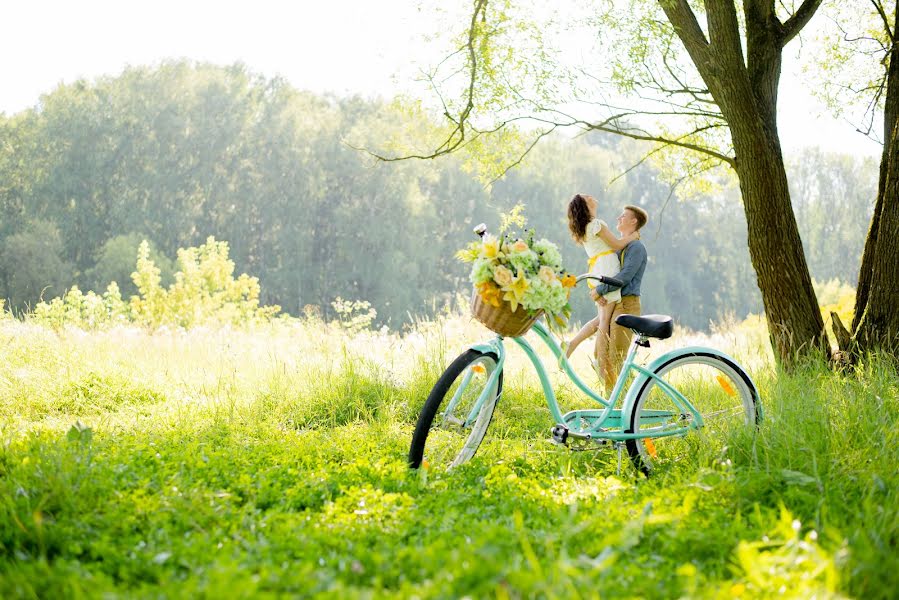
(601,245)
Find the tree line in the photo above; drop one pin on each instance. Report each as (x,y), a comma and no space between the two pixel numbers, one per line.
(179,152)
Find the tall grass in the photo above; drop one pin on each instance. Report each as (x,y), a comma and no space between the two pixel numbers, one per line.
(271,461)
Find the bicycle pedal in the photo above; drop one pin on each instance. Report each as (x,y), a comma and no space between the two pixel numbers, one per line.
(560,434)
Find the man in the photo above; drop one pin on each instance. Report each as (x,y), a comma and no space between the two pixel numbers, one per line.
(613,347)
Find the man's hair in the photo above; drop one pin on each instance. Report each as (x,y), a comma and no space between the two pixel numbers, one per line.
(641,215)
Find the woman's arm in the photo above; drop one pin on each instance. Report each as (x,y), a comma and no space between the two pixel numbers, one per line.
(614,243)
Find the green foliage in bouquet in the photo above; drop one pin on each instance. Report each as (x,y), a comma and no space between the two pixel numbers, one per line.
(521,270)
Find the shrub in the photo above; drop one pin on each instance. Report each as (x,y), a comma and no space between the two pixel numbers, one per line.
(86,311)
(35,264)
(115,262)
(204,292)
(354,315)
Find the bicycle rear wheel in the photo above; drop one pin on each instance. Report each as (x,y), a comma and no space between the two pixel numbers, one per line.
(718,388)
(450,429)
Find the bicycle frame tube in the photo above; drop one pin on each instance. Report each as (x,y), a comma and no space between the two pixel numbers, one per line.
(550,341)
(497,346)
(681,402)
(548,391)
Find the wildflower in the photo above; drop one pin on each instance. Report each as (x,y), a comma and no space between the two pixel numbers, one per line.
(515,291)
(490,293)
(490,247)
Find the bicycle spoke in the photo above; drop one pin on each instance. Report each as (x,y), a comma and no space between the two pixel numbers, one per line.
(713,388)
(462,404)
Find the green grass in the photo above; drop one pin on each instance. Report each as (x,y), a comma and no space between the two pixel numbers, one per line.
(271,462)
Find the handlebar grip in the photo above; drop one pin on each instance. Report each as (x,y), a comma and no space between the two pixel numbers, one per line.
(611,281)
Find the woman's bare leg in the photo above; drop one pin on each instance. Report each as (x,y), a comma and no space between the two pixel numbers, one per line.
(586,331)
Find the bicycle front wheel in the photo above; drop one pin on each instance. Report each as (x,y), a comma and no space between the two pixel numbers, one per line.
(720,391)
(457,413)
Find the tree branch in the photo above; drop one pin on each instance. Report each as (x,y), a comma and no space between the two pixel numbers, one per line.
(687,28)
(661,140)
(527,151)
(792,26)
(886,22)
(456,137)
(724,31)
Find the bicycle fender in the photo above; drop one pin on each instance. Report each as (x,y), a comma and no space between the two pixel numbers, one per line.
(495,346)
(631,397)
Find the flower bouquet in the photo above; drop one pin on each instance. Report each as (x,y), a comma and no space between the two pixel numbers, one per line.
(517,278)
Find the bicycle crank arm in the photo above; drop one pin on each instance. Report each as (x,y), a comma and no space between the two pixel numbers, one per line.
(577,435)
(561,433)
(576,441)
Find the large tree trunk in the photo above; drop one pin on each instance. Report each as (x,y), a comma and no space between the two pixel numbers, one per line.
(791,308)
(878,327)
(876,320)
(746,93)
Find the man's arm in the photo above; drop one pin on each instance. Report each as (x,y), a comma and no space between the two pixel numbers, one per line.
(634,255)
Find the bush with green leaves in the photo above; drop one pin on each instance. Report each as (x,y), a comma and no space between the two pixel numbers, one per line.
(33,263)
(354,315)
(84,310)
(115,262)
(204,291)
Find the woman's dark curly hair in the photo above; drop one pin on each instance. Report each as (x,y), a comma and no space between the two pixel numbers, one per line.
(578,217)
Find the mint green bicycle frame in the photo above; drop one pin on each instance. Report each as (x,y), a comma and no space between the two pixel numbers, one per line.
(606,423)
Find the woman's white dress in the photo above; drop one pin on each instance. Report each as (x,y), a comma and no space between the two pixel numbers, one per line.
(601,260)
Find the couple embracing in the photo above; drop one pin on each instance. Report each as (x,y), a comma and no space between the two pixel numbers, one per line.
(623,258)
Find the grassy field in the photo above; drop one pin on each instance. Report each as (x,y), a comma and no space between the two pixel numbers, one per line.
(271,462)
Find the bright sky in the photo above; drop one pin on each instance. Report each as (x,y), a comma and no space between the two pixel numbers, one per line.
(345,46)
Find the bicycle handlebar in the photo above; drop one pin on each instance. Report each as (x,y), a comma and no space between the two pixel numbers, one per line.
(610,281)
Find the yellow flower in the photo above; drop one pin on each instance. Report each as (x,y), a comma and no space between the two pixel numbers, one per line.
(515,290)
(503,276)
(490,293)
(547,275)
(520,246)
(490,247)
(569,281)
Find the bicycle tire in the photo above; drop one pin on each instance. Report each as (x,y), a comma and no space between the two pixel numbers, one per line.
(707,380)
(436,452)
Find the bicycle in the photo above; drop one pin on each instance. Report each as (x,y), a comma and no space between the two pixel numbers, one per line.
(684,391)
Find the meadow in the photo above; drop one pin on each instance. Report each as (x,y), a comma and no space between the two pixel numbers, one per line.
(271,460)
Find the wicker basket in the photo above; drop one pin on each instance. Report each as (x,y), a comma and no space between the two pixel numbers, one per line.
(502,320)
